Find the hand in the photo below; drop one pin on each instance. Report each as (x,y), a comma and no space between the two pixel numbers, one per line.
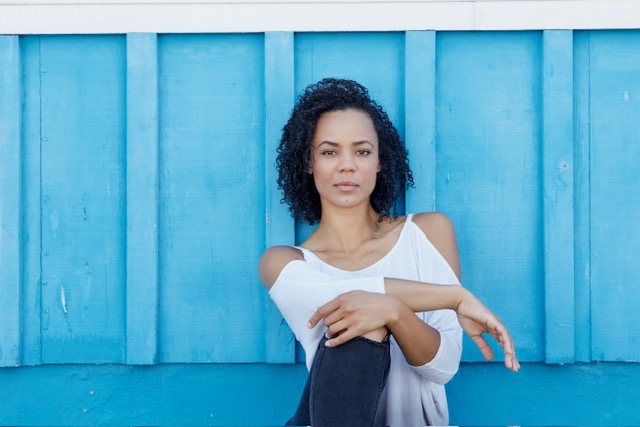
(477,319)
(354,314)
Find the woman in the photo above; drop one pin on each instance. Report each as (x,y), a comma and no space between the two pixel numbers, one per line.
(365,293)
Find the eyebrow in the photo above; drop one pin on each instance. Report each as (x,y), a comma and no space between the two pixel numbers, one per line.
(353,144)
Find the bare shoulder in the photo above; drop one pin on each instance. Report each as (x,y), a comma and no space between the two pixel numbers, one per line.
(272,262)
(440,231)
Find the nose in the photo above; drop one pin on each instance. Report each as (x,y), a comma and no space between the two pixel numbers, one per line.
(347,163)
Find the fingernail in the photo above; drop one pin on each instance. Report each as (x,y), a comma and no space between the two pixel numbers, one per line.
(327,344)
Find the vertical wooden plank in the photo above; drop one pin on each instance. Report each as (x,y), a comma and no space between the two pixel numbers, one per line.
(10,162)
(557,160)
(211,197)
(31,226)
(420,118)
(614,58)
(142,198)
(83,116)
(280,228)
(488,177)
(582,216)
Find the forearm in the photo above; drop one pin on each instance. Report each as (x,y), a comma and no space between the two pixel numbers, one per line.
(420,297)
(418,341)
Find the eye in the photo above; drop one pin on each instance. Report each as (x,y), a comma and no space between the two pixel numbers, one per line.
(328,152)
(363,152)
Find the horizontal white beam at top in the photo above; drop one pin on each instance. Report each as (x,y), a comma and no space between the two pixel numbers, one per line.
(235,16)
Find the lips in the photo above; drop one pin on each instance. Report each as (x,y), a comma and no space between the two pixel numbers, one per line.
(346,186)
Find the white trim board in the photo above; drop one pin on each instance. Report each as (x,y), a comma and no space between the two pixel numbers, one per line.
(232,16)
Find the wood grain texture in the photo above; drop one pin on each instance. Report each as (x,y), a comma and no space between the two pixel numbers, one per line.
(83,198)
(10,201)
(211,217)
(279,224)
(138,184)
(488,173)
(31,184)
(557,171)
(615,199)
(142,199)
(581,195)
(420,118)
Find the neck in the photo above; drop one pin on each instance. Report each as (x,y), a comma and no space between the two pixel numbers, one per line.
(347,229)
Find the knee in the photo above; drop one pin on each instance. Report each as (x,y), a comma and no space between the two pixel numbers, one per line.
(377,334)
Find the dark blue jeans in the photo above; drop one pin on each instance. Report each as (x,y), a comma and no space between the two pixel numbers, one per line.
(344,384)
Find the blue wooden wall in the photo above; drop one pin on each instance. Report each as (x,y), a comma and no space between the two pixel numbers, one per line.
(137,192)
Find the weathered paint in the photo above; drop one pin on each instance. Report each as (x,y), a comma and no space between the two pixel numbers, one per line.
(10,227)
(614,101)
(118,152)
(604,394)
(488,165)
(142,199)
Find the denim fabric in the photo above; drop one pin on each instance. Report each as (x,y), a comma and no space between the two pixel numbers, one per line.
(344,384)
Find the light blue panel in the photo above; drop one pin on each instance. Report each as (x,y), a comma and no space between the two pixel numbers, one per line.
(545,395)
(212,210)
(197,394)
(485,394)
(10,170)
(375,60)
(31,284)
(615,199)
(420,105)
(488,181)
(280,228)
(557,164)
(83,198)
(142,198)
(582,208)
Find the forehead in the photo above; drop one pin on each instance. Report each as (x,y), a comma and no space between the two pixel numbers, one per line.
(350,124)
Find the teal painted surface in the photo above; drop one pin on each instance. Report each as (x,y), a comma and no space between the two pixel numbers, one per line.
(10,171)
(488,164)
(119,152)
(266,395)
(614,102)
(82,183)
(142,199)
(211,221)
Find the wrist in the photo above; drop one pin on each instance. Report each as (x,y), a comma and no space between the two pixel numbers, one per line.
(460,294)
(394,314)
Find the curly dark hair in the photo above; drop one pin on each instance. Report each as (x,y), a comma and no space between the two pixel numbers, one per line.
(294,152)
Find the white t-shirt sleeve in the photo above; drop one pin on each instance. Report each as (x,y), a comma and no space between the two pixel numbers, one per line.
(446,362)
(300,290)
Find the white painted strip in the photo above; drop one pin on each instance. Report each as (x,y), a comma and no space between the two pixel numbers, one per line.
(164,16)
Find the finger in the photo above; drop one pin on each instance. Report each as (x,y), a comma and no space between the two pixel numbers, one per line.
(484,347)
(333,318)
(516,362)
(336,329)
(506,342)
(321,312)
(345,336)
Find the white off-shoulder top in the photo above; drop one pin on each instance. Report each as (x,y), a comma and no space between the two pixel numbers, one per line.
(414,395)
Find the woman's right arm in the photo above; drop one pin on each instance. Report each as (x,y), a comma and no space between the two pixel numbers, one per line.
(474,317)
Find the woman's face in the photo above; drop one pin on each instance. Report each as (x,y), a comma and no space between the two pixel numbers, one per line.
(345,158)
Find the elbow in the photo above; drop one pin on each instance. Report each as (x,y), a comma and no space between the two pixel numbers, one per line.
(444,366)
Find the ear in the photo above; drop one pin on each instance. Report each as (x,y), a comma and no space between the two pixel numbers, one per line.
(379,166)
